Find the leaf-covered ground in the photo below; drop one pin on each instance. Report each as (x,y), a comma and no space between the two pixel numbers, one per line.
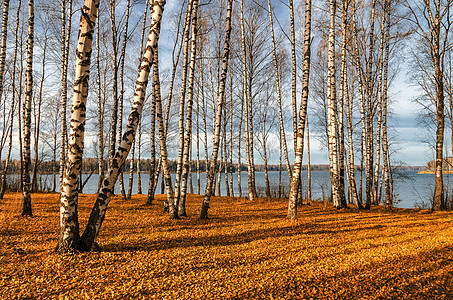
(246,250)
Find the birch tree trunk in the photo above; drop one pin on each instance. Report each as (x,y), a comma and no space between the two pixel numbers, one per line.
(369,115)
(139,147)
(3,45)
(101,109)
(308,165)
(377,165)
(341,140)
(182,99)
(279,93)
(439,199)
(231,135)
(20,111)
(385,145)
(248,131)
(356,59)
(115,80)
(34,186)
(225,156)
(188,133)
(332,108)
(293,70)
(295,181)
(218,117)
(239,150)
(351,173)
(26,210)
(65,42)
(152,167)
(98,212)
(13,94)
(69,223)
(198,142)
(131,171)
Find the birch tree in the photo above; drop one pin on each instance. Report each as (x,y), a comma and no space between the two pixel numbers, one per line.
(295,180)
(13,83)
(65,42)
(69,223)
(100,206)
(3,44)
(218,117)
(26,210)
(432,20)
(188,132)
(248,132)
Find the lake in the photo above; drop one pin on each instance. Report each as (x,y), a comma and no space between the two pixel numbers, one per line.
(411,189)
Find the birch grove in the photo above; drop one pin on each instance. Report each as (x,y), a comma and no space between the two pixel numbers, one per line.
(248,76)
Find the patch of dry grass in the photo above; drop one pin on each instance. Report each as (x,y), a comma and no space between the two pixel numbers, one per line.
(245,250)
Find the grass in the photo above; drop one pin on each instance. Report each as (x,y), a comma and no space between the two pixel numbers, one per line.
(246,250)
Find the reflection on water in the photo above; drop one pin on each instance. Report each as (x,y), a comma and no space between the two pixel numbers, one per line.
(411,189)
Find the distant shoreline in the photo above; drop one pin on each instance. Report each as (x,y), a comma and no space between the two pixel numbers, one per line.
(433,172)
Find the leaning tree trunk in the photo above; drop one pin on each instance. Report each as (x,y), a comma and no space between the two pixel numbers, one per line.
(218,117)
(100,206)
(295,181)
(69,223)
(27,211)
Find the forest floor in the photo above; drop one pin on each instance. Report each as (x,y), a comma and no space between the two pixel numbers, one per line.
(246,250)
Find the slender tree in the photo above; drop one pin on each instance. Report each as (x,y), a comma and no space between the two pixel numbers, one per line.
(66,19)
(13,94)
(218,117)
(27,211)
(182,100)
(385,145)
(3,44)
(433,19)
(248,132)
(279,92)
(190,96)
(295,180)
